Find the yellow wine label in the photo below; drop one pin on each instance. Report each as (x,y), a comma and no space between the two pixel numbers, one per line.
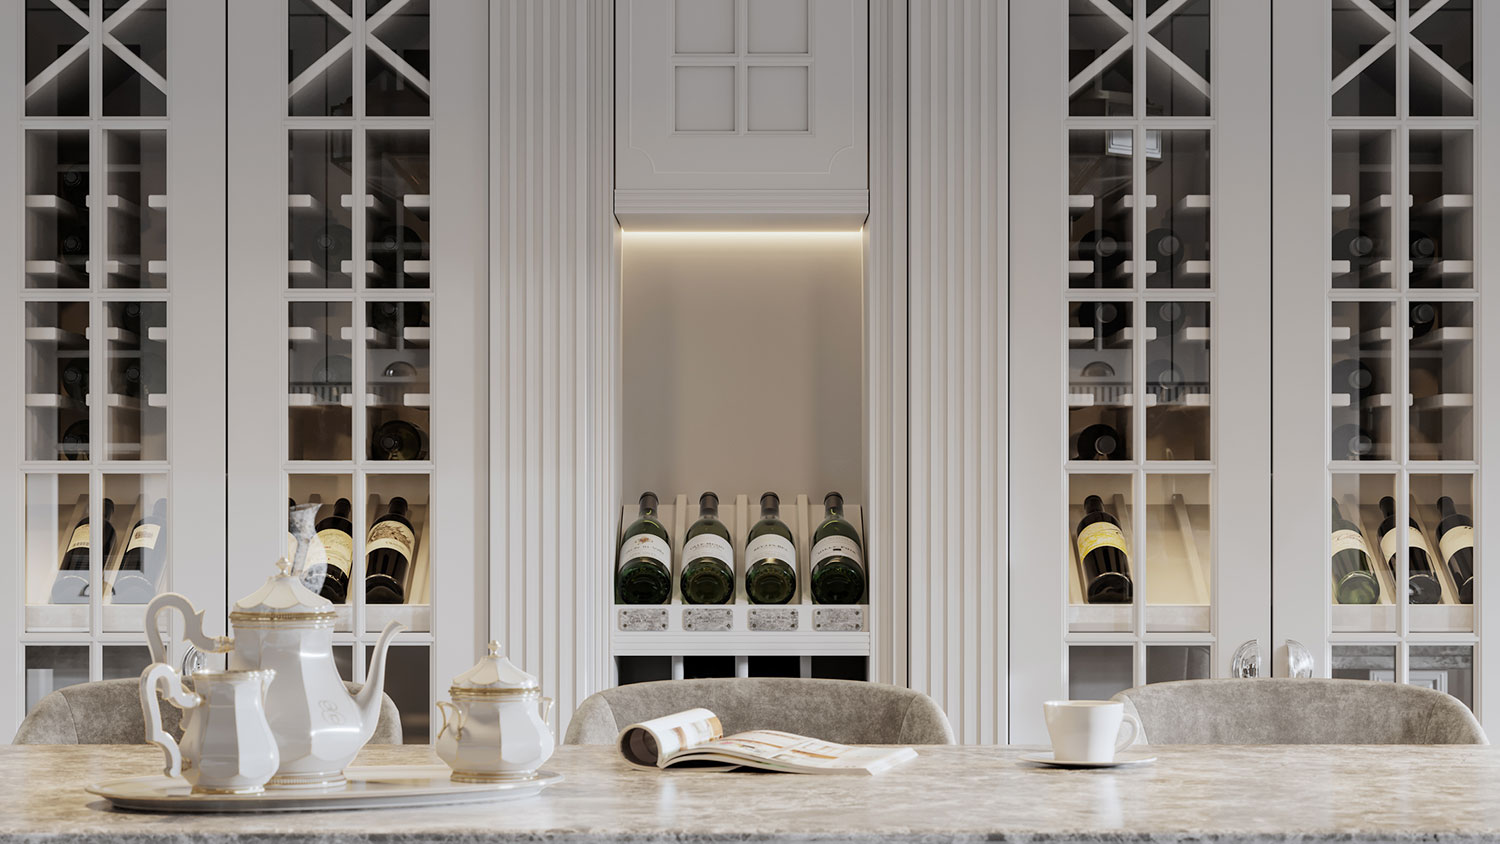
(144,536)
(1100,535)
(769,546)
(837,546)
(391,534)
(646,545)
(1456,540)
(338,549)
(80,538)
(708,545)
(1347,540)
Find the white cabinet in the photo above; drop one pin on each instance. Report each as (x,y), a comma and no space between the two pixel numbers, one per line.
(748,113)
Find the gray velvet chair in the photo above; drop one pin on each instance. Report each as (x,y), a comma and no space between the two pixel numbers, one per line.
(109,712)
(1299,711)
(845,711)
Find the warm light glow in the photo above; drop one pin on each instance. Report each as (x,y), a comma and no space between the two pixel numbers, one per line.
(636,234)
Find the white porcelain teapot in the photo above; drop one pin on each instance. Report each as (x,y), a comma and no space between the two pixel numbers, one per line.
(227,746)
(285,627)
(495,729)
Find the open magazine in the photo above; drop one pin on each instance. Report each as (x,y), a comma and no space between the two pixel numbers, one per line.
(696,738)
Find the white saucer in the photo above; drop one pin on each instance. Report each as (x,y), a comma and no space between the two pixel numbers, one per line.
(1125,759)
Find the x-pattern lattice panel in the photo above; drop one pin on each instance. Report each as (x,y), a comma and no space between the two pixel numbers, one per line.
(325,37)
(1104,37)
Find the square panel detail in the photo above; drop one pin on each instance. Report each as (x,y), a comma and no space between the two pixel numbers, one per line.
(704,99)
(703,26)
(777,26)
(778,99)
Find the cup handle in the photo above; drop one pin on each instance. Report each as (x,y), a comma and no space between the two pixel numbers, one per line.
(1127,740)
(160,672)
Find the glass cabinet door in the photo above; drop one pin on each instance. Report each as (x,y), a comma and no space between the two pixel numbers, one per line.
(1396,592)
(95,141)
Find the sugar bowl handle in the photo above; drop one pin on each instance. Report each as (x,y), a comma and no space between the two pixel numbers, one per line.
(456,721)
(160,672)
(545,704)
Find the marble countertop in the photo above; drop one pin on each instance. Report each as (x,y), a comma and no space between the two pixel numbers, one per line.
(1250,794)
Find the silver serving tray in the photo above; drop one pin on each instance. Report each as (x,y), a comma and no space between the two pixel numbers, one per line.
(368,787)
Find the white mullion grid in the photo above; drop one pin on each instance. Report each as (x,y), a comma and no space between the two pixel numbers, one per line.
(358,435)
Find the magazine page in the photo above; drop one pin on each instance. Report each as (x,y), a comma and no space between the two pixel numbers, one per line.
(778,751)
(651,742)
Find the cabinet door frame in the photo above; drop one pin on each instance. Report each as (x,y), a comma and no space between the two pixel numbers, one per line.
(1040,536)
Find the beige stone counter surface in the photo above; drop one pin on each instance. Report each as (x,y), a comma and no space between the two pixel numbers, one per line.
(1308,793)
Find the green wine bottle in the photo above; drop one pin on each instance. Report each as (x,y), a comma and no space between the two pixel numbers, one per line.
(644,575)
(708,570)
(1353,579)
(770,556)
(838,566)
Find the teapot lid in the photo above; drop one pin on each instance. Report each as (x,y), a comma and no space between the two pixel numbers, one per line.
(494,674)
(282,597)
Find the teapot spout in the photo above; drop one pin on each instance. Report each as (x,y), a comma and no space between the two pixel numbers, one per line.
(369,698)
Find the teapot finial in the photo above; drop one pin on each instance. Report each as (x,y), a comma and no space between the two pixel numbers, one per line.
(494,648)
(284,566)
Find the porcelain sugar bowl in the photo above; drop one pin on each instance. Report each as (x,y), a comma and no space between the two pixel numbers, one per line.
(495,728)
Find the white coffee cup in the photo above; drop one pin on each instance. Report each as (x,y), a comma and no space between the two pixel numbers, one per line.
(1089,730)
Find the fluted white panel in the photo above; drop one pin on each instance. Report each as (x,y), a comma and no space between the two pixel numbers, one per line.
(554,323)
(958,312)
(885,343)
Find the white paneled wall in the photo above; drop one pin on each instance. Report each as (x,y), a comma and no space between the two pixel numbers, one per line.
(957,265)
(885,343)
(554,309)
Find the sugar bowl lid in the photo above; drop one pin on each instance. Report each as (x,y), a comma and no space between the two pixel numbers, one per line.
(283,597)
(493,674)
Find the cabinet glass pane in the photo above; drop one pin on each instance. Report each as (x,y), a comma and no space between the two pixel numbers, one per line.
(398,203)
(1101,582)
(1100,64)
(52,667)
(1362,206)
(58,535)
(1166,663)
(1364,662)
(397,68)
(408,669)
(329,567)
(137,388)
(1099,672)
(57,203)
(1179,553)
(122,661)
(319,204)
(1442,204)
(1443,508)
(320,376)
(1177,83)
(1447,668)
(1363,583)
(57,381)
(1364,57)
(1178,180)
(1100,376)
(1099,208)
(321,64)
(1442,380)
(136,209)
(1178,381)
(136,568)
(397,567)
(57,63)
(399,397)
(134,74)
(1362,381)
(1442,58)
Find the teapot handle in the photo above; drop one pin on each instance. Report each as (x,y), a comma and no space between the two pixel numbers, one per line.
(160,672)
(457,721)
(192,627)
